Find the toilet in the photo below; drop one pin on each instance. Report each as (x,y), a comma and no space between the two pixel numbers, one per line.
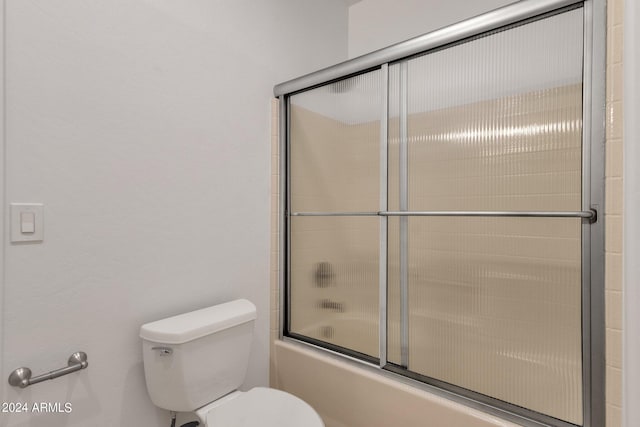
(195,362)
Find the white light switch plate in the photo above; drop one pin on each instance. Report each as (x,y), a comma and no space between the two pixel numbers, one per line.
(21,212)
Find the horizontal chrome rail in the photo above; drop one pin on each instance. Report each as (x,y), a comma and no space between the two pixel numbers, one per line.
(590,214)
(520,214)
(335,214)
(21,377)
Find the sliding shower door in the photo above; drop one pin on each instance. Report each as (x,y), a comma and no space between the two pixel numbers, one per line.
(334,250)
(437,223)
(492,303)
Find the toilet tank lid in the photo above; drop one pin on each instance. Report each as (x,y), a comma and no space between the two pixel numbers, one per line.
(197,324)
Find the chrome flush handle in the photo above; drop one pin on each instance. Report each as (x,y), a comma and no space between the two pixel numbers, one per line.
(164,351)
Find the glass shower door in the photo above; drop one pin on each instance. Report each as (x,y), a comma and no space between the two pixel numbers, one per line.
(335,133)
(489,303)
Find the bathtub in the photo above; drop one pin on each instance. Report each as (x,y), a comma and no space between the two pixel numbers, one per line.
(443,335)
(350,394)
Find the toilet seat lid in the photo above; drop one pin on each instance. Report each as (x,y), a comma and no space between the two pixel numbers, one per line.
(264,407)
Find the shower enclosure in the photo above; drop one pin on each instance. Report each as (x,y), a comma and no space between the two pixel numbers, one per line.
(440,211)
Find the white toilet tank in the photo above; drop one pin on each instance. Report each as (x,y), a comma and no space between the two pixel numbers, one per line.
(195,358)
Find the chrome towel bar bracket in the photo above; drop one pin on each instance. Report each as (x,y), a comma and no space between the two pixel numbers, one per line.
(21,377)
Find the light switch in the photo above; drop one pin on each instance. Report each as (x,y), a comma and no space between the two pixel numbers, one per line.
(27,222)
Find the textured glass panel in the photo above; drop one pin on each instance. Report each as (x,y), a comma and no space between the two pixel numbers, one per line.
(495,123)
(335,146)
(492,124)
(393,133)
(393,291)
(334,280)
(495,307)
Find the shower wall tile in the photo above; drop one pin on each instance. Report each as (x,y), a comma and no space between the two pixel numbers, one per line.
(613,213)
(614,348)
(613,237)
(274,222)
(274,180)
(615,82)
(274,242)
(613,191)
(613,164)
(614,415)
(615,51)
(274,268)
(274,261)
(614,120)
(275,117)
(274,319)
(273,362)
(274,204)
(614,386)
(273,291)
(615,13)
(613,309)
(613,271)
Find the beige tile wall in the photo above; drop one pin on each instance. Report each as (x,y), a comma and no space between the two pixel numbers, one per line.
(613,215)
(275,267)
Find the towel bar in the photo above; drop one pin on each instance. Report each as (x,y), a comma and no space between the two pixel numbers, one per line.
(21,377)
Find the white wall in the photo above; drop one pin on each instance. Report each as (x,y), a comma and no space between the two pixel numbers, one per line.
(143,126)
(374,24)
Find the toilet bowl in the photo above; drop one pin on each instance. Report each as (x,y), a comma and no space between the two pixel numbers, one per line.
(196,362)
(260,406)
